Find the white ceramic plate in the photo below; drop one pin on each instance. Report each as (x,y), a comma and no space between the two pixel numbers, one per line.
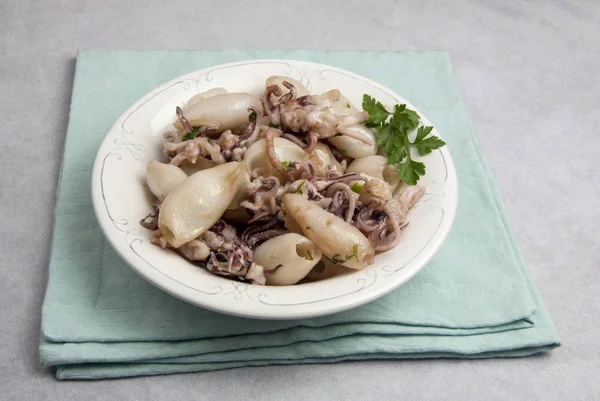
(121,199)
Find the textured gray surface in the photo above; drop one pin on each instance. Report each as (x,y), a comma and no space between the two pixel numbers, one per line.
(528,74)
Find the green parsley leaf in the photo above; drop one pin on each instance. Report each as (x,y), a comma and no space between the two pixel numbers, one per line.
(348,105)
(422,132)
(411,170)
(252,117)
(245,144)
(399,150)
(309,255)
(377,112)
(274,125)
(404,119)
(425,145)
(356,187)
(385,138)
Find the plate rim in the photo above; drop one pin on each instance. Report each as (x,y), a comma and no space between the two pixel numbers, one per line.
(174,287)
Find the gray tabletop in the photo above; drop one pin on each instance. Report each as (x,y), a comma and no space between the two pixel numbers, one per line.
(528,72)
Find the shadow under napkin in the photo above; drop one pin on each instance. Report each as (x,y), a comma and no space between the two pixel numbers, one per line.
(474,299)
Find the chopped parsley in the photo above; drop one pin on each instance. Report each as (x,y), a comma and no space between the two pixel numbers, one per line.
(191,135)
(348,105)
(356,187)
(274,125)
(287,165)
(299,189)
(252,117)
(336,258)
(309,255)
(355,251)
(338,134)
(339,260)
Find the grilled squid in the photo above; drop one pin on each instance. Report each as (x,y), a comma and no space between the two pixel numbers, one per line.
(359,140)
(203,95)
(194,206)
(322,160)
(163,178)
(200,164)
(314,118)
(225,111)
(339,241)
(405,197)
(292,255)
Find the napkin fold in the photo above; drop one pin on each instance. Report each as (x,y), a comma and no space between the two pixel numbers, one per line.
(475,299)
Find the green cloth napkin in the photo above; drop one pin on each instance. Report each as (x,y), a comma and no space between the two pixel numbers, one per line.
(101,320)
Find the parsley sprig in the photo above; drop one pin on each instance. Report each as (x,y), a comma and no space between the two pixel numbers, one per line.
(392,135)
